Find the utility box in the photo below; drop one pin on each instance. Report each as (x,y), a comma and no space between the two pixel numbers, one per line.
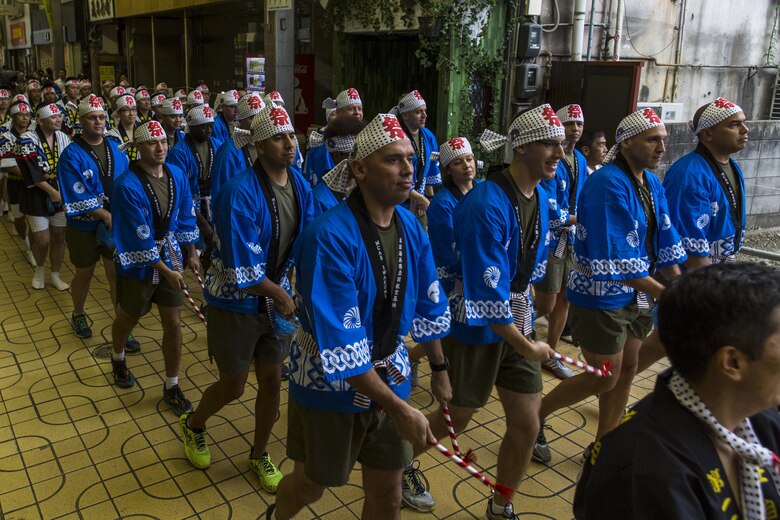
(529,40)
(526,80)
(533,8)
(668,112)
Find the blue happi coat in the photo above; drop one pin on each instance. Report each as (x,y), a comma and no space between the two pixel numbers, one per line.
(133,225)
(182,156)
(242,237)
(229,161)
(609,243)
(442,235)
(324,198)
(82,188)
(336,282)
(559,194)
(700,210)
(487,240)
(318,163)
(220,130)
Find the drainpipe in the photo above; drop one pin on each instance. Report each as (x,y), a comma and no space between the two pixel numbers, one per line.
(679,51)
(578,30)
(590,29)
(618,30)
(186,55)
(154,54)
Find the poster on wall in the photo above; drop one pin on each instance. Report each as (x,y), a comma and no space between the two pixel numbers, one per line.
(100,10)
(305,109)
(18,30)
(255,73)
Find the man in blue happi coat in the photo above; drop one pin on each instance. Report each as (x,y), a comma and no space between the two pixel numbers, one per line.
(623,236)
(366,278)
(501,239)
(258,215)
(153,218)
(706,188)
(194,155)
(413,114)
(237,153)
(86,173)
(226,115)
(338,182)
(172,117)
(319,160)
(550,293)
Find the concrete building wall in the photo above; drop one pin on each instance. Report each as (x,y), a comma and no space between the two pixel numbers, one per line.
(760,163)
(722,42)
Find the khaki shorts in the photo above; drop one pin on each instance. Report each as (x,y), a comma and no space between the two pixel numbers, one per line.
(38,224)
(604,332)
(557,274)
(476,369)
(329,443)
(235,340)
(136,296)
(83,248)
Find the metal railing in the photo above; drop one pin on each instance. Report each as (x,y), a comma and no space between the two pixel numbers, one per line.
(760,253)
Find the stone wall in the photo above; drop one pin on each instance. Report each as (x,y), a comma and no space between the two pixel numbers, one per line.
(760,163)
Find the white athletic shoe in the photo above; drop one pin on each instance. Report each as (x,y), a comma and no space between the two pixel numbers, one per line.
(57,282)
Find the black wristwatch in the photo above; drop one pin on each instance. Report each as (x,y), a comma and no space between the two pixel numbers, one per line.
(441,367)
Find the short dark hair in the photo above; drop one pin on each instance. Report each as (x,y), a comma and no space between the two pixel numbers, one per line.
(588,136)
(714,306)
(341,126)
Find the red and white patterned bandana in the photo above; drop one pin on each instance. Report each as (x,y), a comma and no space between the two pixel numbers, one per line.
(158,100)
(270,121)
(172,107)
(149,131)
(72,82)
(21,107)
(345,98)
(4,94)
(535,124)
(411,101)
(249,105)
(142,94)
(381,131)
(451,149)
(717,111)
(91,103)
(200,115)
(274,97)
(126,101)
(230,98)
(571,113)
(195,98)
(49,110)
(632,125)
(33,85)
(117,91)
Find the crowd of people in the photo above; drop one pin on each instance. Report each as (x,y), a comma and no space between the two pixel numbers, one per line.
(318,268)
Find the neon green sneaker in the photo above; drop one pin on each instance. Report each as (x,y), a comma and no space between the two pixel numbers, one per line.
(194,444)
(266,471)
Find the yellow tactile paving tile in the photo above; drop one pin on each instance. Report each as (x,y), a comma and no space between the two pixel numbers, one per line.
(72,445)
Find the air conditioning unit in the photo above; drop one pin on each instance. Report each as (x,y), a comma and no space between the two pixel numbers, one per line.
(668,112)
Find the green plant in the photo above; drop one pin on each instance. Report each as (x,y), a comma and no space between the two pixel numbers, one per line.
(474,60)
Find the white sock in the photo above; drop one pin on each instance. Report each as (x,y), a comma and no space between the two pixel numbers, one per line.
(55,275)
(496,509)
(118,357)
(27,243)
(170,382)
(40,271)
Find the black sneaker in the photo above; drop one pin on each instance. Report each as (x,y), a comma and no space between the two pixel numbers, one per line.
(80,325)
(123,378)
(132,344)
(541,451)
(175,397)
(269,513)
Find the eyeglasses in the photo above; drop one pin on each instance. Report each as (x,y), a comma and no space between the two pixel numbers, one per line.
(95,118)
(549,144)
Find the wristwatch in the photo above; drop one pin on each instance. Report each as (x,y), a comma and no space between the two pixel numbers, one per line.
(441,367)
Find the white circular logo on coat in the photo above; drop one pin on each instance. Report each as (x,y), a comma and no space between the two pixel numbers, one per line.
(633,238)
(702,221)
(88,174)
(491,276)
(79,187)
(351,319)
(666,222)
(142,231)
(433,292)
